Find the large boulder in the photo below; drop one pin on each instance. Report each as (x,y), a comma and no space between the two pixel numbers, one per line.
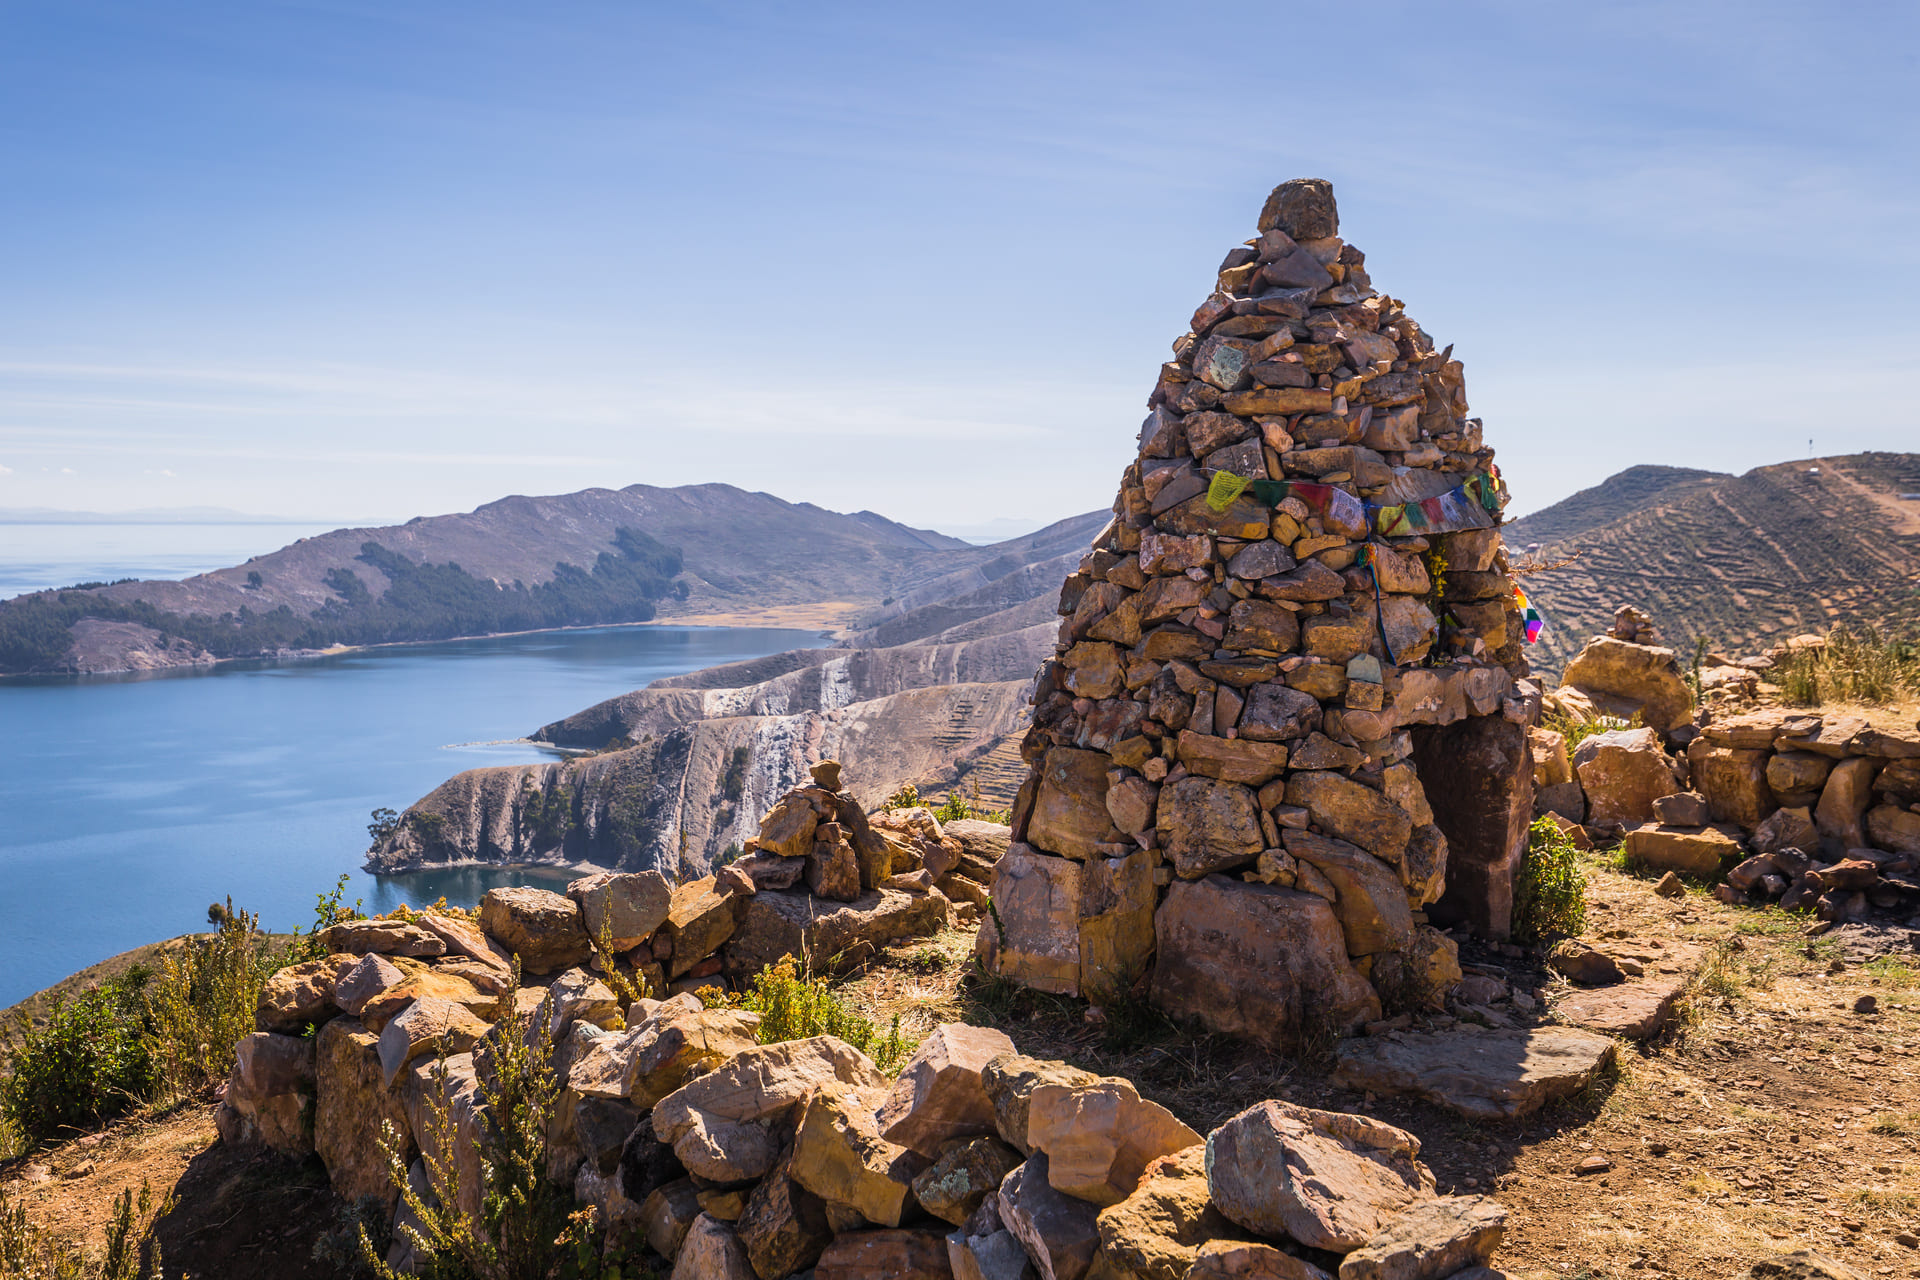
(270,1093)
(1098,1138)
(1623,772)
(1156,1233)
(1326,1179)
(544,929)
(1841,813)
(701,916)
(442,1104)
(1070,808)
(425,1026)
(729,1125)
(1010,1080)
(1033,934)
(1252,960)
(1117,900)
(966,1173)
(783,1226)
(839,1155)
(1060,1234)
(1208,826)
(938,1095)
(1624,679)
(676,1042)
(1894,828)
(712,1251)
(1352,812)
(1734,781)
(1371,902)
(1691,852)
(381,937)
(1433,1240)
(352,1103)
(899,1254)
(809,929)
(625,906)
(301,995)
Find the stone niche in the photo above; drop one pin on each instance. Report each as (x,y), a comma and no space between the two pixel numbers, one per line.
(1283,735)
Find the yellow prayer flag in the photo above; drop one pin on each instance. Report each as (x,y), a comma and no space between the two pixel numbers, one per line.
(1225,488)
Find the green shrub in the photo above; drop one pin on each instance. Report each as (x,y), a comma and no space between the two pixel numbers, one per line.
(528,1228)
(33,1253)
(1549,891)
(1577,730)
(794,1006)
(89,1062)
(202,1000)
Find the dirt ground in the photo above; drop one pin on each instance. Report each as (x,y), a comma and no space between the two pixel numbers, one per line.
(1772,1116)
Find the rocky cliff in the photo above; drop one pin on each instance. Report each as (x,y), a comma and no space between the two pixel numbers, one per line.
(944,707)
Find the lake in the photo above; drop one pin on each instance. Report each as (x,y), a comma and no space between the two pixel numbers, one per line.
(127,805)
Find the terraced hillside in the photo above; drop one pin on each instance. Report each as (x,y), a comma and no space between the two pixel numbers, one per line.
(1744,561)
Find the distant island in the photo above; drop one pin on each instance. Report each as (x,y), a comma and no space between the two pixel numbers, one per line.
(596,557)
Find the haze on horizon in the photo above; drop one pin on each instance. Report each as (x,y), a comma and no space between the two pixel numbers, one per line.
(362,262)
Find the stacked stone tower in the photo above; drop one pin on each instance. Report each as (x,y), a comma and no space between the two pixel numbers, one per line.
(1282,728)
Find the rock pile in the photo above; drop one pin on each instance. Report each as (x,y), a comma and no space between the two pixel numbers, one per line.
(1818,811)
(1282,722)
(740,1161)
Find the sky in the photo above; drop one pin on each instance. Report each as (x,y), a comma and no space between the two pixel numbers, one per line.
(369,260)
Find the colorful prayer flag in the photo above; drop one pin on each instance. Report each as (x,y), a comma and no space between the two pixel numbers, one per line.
(1225,488)
(1529,616)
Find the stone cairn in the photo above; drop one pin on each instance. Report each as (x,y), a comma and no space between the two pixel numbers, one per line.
(736,1160)
(1228,751)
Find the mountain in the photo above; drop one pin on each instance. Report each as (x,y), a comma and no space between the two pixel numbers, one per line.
(1742,562)
(930,689)
(522,563)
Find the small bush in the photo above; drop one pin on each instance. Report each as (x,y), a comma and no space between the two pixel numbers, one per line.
(793,1006)
(202,1000)
(328,909)
(90,1062)
(528,1228)
(1549,892)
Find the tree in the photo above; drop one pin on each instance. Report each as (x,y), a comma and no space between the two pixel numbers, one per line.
(385,823)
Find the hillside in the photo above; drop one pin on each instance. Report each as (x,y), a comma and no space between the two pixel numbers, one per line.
(1743,561)
(943,706)
(522,563)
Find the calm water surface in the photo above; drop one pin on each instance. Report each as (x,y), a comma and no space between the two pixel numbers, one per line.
(128,805)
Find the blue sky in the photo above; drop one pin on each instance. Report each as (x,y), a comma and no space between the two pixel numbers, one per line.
(373,260)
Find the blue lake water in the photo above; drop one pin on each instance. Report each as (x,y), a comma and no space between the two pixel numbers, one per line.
(128,805)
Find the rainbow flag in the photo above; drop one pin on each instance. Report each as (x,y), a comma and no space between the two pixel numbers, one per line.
(1529,616)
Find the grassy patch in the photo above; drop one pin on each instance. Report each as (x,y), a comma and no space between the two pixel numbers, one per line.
(1895,1124)
(1891,971)
(1864,665)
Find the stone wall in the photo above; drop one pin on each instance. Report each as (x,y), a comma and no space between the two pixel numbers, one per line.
(735,1160)
(1300,610)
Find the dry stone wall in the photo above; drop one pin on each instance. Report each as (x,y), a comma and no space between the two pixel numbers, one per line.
(1299,615)
(736,1160)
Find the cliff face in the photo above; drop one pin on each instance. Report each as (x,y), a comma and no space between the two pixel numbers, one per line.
(945,705)
(677,802)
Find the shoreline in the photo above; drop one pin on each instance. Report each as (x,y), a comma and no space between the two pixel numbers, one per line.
(285,657)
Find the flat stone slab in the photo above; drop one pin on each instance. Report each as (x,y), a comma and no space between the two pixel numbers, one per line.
(1640,1007)
(1482,1074)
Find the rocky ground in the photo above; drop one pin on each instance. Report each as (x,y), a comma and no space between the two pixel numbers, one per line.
(1780,1110)
(1769,1116)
